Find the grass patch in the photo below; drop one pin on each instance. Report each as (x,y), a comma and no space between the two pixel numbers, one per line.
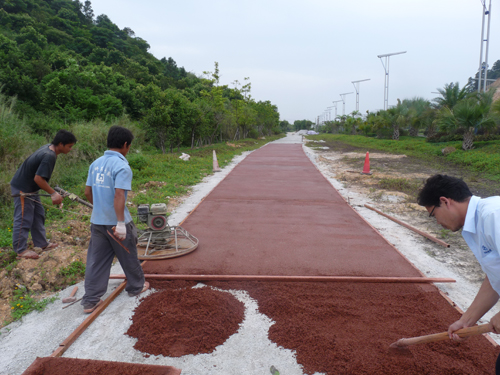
(484,158)
(8,260)
(73,272)
(6,235)
(23,303)
(403,185)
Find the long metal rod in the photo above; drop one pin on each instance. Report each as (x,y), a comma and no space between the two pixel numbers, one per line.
(426,235)
(359,279)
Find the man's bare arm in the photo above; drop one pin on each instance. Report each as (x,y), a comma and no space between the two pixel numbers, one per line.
(88,194)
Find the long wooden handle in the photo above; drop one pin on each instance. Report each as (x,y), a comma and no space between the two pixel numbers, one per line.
(73,292)
(464,332)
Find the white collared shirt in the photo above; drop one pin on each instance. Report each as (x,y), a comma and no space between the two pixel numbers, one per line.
(481,231)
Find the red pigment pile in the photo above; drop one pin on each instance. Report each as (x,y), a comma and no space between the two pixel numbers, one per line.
(334,328)
(177,322)
(73,366)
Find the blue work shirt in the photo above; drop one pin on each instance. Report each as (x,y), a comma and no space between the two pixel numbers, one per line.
(481,231)
(111,171)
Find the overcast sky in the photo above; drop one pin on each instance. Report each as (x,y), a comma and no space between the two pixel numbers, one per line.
(301,54)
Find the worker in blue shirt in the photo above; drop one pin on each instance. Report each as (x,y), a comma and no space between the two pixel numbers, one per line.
(450,201)
(113,232)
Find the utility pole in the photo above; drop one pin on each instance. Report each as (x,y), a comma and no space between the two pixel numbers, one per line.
(483,65)
(343,101)
(356,87)
(386,81)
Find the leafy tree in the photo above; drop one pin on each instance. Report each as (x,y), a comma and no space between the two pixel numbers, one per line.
(285,126)
(63,63)
(302,124)
(88,12)
(493,73)
(267,118)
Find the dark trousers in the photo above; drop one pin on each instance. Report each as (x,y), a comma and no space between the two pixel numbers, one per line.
(33,220)
(102,249)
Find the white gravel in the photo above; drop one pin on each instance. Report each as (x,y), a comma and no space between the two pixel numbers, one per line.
(249,351)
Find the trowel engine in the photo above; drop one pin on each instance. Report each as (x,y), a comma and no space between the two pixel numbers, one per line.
(160,240)
(155,217)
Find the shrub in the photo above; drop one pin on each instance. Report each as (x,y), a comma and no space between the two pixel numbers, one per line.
(137,161)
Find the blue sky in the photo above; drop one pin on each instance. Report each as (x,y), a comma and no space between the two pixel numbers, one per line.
(301,55)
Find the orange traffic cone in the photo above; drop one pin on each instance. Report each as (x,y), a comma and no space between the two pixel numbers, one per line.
(216,164)
(366,168)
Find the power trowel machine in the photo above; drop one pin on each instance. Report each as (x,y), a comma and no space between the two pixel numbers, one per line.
(161,241)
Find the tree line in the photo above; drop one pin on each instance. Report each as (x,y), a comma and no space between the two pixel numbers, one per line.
(458,113)
(64,64)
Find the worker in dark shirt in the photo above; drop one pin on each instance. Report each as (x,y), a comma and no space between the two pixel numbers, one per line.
(34,174)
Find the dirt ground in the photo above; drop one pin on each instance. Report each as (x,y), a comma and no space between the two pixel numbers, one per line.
(345,162)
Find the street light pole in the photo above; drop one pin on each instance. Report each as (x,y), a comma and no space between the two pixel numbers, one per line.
(329,109)
(356,87)
(484,65)
(335,105)
(343,101)
(386,81)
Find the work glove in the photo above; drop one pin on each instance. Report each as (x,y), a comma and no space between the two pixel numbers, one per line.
(120,230)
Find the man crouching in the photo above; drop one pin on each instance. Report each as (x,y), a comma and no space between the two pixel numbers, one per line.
(112,229)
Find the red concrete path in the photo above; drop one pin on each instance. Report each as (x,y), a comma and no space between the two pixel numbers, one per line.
(275,214)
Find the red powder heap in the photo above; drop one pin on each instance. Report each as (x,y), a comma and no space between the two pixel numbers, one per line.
(346,328)
(178,322)
(75,366)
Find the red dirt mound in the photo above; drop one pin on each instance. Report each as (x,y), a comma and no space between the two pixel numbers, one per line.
(73,366)
(178,322)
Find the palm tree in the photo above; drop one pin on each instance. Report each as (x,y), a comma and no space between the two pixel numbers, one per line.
(399,117)
(451,95)
(468,115)
(352,121)
(381,120)
(417,113)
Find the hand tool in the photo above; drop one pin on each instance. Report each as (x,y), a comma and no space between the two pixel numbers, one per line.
(464,332)
(71,297)
(117,240)
(72,303)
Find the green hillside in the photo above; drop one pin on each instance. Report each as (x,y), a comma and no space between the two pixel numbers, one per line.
(64,64)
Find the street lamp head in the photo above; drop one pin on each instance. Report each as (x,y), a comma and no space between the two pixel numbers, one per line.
(391,54)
